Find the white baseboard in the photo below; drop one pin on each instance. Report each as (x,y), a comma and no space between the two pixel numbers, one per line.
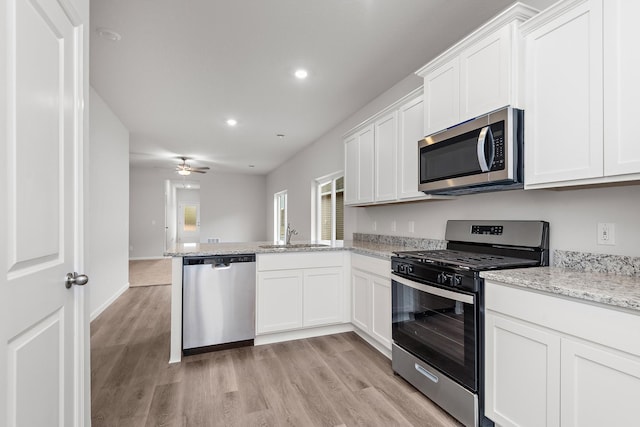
(302,333)
(143,258)
(107,303)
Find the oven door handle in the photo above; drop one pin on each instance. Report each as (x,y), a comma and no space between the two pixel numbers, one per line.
(456,296)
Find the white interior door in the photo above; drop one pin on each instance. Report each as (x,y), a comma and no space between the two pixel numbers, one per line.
(43,326)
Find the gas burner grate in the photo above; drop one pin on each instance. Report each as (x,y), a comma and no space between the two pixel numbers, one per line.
(467,260)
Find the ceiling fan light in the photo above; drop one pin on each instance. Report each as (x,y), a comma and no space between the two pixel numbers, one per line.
(184,172)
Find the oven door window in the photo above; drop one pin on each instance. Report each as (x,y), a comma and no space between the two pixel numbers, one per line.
(441,331)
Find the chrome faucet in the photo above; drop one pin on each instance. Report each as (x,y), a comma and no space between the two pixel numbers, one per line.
(290,232)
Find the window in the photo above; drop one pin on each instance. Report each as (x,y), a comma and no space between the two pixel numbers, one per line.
(280,216)
(330,207)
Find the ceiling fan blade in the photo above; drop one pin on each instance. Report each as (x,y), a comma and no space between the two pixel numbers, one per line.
(198,171)
(205,168)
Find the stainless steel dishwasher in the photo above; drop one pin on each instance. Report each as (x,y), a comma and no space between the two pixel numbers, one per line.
(218,302)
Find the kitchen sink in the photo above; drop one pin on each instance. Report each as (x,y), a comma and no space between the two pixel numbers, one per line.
(294,246)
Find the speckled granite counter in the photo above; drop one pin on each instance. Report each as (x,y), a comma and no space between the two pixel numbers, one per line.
(372,245)
(604,288)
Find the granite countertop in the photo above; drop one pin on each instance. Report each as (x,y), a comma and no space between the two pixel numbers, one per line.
(381,250)
(604,288)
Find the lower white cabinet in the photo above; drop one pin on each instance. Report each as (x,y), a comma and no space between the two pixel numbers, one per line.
(313,294)
(552,361)
(371,297)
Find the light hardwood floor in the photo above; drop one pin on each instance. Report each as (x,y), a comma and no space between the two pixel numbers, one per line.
(336,380)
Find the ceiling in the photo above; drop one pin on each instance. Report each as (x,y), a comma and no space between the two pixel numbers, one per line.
(182,68)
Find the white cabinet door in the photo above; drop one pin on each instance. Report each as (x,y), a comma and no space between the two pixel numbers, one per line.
(323,296)
(485,75)
(564,87)
(386,147)
(522,373)
(411,127)
(279,301)
(361,300)
(600,386)
(359,166)
(367,162)
(442,97)
(351,169)
(381,310)
(622,86)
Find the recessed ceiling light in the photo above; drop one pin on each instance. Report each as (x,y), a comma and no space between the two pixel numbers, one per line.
(301,74)
(232,122)
(109,34)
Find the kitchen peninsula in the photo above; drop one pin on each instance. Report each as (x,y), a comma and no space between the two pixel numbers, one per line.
(324,267)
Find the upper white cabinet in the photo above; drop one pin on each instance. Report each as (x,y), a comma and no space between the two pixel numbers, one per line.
(381,155)
(477,75)
(386,148)
(410,125)
(563,80)
(553,361)
(581,87)
(359,166)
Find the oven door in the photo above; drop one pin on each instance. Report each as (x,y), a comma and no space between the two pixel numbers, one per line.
(438,326)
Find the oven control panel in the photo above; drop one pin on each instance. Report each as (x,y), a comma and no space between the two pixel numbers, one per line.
(494,230)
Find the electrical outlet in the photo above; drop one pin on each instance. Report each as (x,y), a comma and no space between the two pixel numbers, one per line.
(393,225)
(411,226)
(606,233)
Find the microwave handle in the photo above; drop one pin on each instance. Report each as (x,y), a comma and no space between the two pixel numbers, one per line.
(485,134)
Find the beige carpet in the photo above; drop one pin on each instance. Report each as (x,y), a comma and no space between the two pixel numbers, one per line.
(150,272)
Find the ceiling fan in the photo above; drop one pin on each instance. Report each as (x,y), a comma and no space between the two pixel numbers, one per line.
(185,169)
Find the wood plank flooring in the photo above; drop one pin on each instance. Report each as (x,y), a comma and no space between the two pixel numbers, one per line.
(336,380)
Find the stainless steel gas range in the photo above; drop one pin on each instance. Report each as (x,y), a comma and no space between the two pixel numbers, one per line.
(438,308)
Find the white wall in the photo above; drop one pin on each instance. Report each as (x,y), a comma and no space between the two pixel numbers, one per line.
(231,208)
(573,216)
(108,220)
(323,157)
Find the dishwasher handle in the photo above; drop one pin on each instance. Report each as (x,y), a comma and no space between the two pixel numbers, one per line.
(217,260)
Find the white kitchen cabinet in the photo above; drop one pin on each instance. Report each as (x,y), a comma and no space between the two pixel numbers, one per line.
(581,84)
(552,361)
(564,110)
(300,290)
(477,75)
(523,371)
(371,298)
(600,387)
(442,96)
(279,301)
(322,290)
(486,74)
(622,86)
(386,148)
(381,155)
(410,120)
(359,166)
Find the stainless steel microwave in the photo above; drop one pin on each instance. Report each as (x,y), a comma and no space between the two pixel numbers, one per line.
(482,154)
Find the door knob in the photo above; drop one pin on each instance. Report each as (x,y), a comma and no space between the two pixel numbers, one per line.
(75,279)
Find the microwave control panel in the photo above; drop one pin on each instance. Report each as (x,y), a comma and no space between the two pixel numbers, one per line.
(497,129)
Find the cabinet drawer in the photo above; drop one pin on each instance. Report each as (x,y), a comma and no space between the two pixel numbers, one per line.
(297,260)
(381,267)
